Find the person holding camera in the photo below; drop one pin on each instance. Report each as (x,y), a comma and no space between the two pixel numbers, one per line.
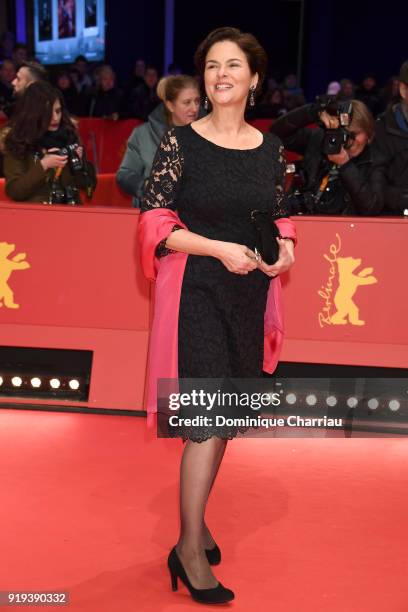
(341,172)
(43,159)
(391,139)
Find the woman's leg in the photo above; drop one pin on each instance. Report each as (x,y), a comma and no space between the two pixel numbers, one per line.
(199,466)
(208,540)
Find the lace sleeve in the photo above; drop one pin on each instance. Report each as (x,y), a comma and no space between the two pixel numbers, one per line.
(282,209)
(162,185)
(161,249)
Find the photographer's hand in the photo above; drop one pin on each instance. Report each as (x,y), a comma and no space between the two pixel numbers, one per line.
(330,122)
(52,160)
(285,261)
(340,158)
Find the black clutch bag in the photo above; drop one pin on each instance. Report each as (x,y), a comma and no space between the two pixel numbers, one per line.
(266,232)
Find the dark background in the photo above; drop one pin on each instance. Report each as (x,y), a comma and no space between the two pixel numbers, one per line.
(134,30)
(277,30)
(348,39)
(337,39)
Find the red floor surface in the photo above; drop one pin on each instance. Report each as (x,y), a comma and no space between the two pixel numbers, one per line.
(89,506)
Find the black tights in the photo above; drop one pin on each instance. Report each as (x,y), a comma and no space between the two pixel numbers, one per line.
(199,467)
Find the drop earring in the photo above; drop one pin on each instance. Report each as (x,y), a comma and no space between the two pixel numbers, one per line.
(252,96)
(205,103)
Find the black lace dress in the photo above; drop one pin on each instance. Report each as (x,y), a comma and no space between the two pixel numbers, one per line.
(214,189)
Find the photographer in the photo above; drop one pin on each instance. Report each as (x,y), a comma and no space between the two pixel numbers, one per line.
(391,139)
(43,160)
(341,173)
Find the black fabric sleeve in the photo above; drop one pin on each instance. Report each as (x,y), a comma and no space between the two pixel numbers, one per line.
(367,193)
(292,130)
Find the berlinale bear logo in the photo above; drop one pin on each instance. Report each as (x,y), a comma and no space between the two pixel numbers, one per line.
(344,268)
(7,266)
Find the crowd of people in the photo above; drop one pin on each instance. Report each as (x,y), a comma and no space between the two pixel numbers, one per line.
(94,91)
(367,175)
(88,91)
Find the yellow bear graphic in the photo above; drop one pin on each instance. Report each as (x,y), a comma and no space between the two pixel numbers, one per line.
(348,283)
(7,266)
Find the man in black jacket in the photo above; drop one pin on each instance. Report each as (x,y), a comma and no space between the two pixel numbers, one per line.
(29,72)
(391,138)
(348,183)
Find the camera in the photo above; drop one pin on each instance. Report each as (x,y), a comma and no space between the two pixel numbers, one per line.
(57,194)
(75,162)
(335,139)
(63,195)
(301,203)
(72,195)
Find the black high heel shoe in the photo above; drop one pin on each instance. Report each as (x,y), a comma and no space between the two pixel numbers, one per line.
(218,594)
(213,555)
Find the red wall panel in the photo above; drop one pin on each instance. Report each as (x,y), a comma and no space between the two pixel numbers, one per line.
(358,263)
(345,298)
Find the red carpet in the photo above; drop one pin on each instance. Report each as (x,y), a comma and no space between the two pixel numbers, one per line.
(89,506)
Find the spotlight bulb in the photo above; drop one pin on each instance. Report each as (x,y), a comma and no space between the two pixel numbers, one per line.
(311,400)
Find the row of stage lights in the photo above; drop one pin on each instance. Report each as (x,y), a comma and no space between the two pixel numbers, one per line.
(36,382)
(39,385)
(352,402)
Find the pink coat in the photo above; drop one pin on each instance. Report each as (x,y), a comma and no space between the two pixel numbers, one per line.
(154,226)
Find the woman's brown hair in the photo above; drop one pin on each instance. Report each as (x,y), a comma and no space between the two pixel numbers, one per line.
(255,53)
(169,88)
(362,119)
(31,119)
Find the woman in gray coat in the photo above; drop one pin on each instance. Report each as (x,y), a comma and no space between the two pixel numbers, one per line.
(181,101)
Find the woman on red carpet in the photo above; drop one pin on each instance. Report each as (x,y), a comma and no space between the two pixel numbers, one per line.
(217,304)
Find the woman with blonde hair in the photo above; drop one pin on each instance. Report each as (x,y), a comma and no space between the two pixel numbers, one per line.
(180,97)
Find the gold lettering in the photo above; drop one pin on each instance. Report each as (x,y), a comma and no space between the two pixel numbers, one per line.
(325,292)
(324,320)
